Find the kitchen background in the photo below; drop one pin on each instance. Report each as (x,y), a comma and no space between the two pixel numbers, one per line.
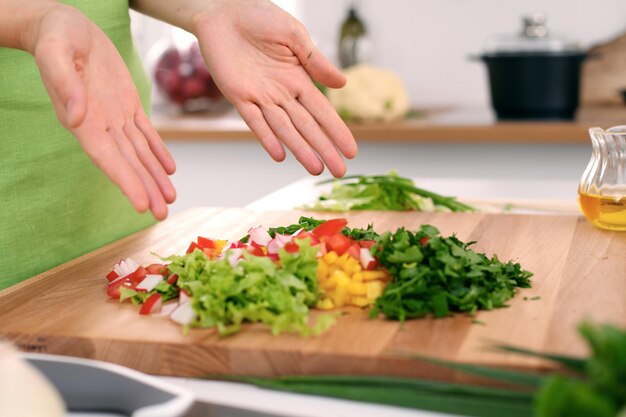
(427,43)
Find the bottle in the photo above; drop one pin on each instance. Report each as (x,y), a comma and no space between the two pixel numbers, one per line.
(602,189)
(352,39)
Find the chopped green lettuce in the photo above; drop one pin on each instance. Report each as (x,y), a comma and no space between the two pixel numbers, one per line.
(256,290)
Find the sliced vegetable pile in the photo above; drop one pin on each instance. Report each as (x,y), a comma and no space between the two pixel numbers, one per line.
(275,276)
(383,192)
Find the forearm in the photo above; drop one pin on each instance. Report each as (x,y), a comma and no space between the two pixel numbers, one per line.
(181,13)
(19,22)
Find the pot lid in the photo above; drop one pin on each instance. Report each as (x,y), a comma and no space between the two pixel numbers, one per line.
(534,37)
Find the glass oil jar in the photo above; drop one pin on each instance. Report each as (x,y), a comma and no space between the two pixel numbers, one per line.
(602,188)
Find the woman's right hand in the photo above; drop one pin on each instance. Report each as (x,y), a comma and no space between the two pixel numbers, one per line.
(95,99)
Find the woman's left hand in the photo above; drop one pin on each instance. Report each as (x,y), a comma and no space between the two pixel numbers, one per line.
(263,61)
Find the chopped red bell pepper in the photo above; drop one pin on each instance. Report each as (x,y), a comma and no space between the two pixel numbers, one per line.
(330,227)
(338,243)
(206,243)
(193,246)
(366,243)
(354,250)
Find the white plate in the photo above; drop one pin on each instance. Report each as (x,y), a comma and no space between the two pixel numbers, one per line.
(95,388)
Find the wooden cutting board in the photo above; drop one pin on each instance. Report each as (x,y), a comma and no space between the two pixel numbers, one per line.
(580,272)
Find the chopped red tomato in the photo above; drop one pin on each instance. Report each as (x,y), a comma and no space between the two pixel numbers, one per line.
(330,227)
(424,241)
(152,304)
(338,243)
(237,244)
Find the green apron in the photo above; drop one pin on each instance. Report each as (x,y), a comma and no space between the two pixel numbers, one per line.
(55,204)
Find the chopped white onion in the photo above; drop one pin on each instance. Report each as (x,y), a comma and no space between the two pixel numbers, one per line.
(278,242)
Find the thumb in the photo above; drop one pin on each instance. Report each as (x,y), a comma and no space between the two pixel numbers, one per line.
(314,62)
(61,75)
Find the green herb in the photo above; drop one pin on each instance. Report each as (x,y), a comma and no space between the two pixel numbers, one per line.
(255,290)
(306,223)
(536,298)
(383,192)
(438,276)
(310,223)
(475,321)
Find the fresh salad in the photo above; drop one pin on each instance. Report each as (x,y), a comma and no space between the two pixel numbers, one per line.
(276,276)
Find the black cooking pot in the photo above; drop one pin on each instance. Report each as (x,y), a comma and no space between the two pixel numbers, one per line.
(534,85)
(533,75)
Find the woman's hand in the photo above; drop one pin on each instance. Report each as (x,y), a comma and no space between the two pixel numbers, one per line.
(95,99)
(263,60)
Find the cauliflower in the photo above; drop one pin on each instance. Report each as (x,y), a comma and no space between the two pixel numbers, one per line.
(371,93)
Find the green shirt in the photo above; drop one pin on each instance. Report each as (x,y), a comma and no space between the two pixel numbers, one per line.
(55,204)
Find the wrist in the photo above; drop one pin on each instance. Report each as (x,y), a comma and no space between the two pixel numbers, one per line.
(22,31)
(199,16)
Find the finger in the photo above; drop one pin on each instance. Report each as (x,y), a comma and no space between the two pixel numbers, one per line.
(104,152)
(149,161)
(316,103)
(60,74)
(313,134)
(157,202)
(253,117)
(155,142)
(314,62)
(284,130)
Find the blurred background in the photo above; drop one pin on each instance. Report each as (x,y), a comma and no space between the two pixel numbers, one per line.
(454,89)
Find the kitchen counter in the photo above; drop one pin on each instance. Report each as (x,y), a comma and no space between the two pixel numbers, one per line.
(443,125)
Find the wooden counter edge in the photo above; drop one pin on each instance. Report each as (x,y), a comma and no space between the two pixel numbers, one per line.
(563,133)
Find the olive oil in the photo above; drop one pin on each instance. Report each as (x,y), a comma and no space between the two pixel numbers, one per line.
(606,212)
